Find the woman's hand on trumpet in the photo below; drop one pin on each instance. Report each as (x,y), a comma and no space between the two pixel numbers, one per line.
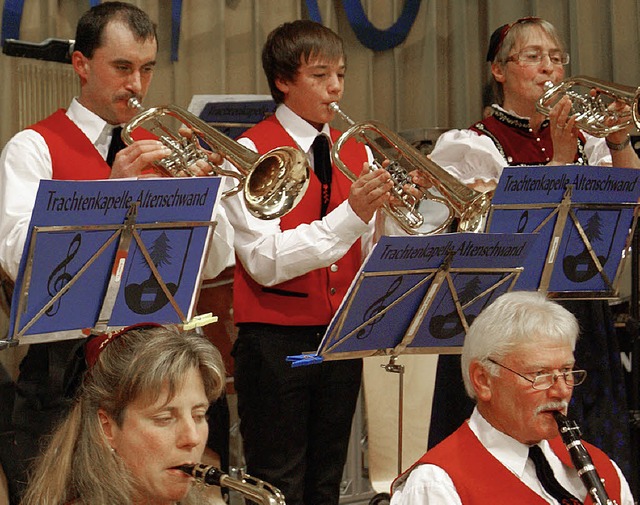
(619,141)
(564,133)
(620,113)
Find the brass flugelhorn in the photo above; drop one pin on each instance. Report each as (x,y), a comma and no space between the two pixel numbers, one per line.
(464,203)
(591,101)
(256,490)
(272,184)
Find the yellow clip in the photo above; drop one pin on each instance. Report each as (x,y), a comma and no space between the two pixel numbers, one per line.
(201,320)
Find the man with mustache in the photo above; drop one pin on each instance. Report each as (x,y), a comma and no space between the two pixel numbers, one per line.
(114,57)
(518,366)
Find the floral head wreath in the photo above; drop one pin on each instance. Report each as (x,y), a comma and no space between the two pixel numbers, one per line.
(96,343)
(497,37)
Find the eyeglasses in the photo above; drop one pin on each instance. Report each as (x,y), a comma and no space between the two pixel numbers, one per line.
(544,381)
(533,56)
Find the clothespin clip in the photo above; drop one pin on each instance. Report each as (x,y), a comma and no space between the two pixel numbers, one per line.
(304,360)
(199,321)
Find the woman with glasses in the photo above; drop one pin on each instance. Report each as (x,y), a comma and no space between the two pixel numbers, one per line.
(519,368)
(524,55)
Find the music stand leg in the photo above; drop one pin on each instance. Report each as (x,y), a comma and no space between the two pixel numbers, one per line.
(393,367)
(634,406)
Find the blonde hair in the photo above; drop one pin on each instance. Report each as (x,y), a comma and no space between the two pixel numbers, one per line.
(78,464)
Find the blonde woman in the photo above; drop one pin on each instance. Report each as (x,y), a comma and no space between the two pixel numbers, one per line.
(140,412)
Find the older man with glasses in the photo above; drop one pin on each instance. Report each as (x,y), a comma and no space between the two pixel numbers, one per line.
(518,366)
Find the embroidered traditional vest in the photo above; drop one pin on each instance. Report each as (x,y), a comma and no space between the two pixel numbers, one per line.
(520,146)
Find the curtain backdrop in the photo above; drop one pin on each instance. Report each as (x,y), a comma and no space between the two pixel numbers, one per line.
(433,79)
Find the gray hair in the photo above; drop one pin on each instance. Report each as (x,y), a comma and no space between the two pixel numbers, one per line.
(517,31)
(514,318)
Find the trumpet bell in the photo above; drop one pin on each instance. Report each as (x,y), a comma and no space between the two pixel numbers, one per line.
(278,181)
(592,102)
(271,184)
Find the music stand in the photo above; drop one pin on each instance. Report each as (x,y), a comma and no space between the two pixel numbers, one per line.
(418,294)
(101,255)
(232,114)
(587,219)
(585,216)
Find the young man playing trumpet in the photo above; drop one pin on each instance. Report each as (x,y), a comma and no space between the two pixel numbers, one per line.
(292,273)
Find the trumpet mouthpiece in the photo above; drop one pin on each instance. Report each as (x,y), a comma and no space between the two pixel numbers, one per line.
(134,103)
(335,108)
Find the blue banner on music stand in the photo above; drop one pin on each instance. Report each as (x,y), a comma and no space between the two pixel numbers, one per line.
(418,294)
(74,249)
(585,217)
(232,114)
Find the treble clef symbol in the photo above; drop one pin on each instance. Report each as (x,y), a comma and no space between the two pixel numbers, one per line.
(376,307)
(60,277)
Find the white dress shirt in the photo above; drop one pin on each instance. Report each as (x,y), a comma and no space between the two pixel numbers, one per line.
(470,156)
(272,255)
(26,160)
(431,485)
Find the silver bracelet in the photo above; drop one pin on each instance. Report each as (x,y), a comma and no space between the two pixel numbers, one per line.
(620,146)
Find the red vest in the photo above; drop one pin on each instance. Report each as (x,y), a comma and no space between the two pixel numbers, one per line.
(313,298)
(480,478)
(520,146)
(73,156)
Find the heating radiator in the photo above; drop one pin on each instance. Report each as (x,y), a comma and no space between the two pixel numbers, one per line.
(42,88)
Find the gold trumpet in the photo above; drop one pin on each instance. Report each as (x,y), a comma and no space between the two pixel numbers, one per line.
(591,100)
(468,205)
(272,184)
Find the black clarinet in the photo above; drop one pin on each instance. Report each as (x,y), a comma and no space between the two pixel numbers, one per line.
(570,433)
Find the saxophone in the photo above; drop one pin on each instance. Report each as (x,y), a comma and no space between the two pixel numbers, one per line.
(256,490)
(570,434)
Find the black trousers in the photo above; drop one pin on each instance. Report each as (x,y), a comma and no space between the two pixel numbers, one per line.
(39,403)
(295,422)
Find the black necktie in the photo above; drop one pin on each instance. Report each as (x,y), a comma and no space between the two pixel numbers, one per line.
(548,480)
(322,168)
(116,145)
